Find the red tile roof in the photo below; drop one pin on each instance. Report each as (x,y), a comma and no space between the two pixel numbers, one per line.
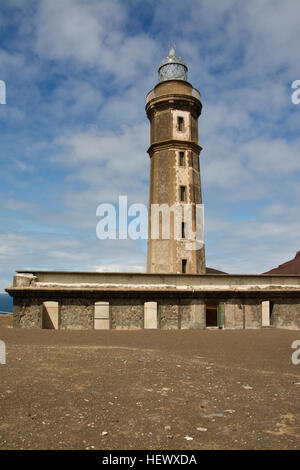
(290,267)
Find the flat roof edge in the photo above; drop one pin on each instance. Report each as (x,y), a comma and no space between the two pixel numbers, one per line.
(130,273)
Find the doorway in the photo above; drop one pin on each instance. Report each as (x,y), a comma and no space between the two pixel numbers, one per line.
(50,315)
(211,314)
(101,316)
(267,313)
(150,315)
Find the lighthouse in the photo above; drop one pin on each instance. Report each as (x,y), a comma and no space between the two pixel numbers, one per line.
(175,200)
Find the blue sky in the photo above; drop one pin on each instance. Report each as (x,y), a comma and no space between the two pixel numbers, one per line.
(74,132)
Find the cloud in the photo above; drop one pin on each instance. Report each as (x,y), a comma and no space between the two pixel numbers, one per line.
(92,35)
(18,205)
(42,251)
(120,159)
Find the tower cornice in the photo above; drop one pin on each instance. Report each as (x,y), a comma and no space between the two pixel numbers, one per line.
(174,144)
(173,101)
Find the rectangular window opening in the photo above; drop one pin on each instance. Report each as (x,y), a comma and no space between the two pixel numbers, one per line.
(184,263)
(182,193)
(180,122)
(182,229)
(181,158)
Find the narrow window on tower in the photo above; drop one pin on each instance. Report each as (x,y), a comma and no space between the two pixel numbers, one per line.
(183,266)
(181,158)
(182,229)
(180,123)
(182,193)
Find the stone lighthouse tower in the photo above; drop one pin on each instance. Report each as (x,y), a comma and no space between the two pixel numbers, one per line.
(173,108)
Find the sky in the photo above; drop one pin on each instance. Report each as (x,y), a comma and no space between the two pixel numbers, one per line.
(74,133)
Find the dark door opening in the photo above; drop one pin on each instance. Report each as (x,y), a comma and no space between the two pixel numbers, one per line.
(211,314)
(271,313)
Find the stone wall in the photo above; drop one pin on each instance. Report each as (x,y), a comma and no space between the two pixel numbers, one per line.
(27,313)
(234,314)
(127,314)
(76,314)
(253,313)
(173,311)
(286,313)
(168,315)
(192,314)
(186,309)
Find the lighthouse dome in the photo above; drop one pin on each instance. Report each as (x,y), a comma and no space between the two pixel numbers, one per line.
(172,67)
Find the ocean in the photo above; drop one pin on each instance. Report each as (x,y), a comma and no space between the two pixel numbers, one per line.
(6,303)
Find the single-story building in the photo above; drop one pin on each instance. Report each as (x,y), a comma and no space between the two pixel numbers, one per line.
(83,300)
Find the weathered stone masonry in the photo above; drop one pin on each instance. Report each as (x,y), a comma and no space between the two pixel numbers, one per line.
(181,299)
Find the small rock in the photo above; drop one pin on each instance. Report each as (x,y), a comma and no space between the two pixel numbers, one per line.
(167,428)
(247,387)
(170,436)
(188,438)
(202,429)
(104,433)
(214,415)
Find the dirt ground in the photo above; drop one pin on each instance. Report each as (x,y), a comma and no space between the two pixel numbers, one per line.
(6,321)
(149,390)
